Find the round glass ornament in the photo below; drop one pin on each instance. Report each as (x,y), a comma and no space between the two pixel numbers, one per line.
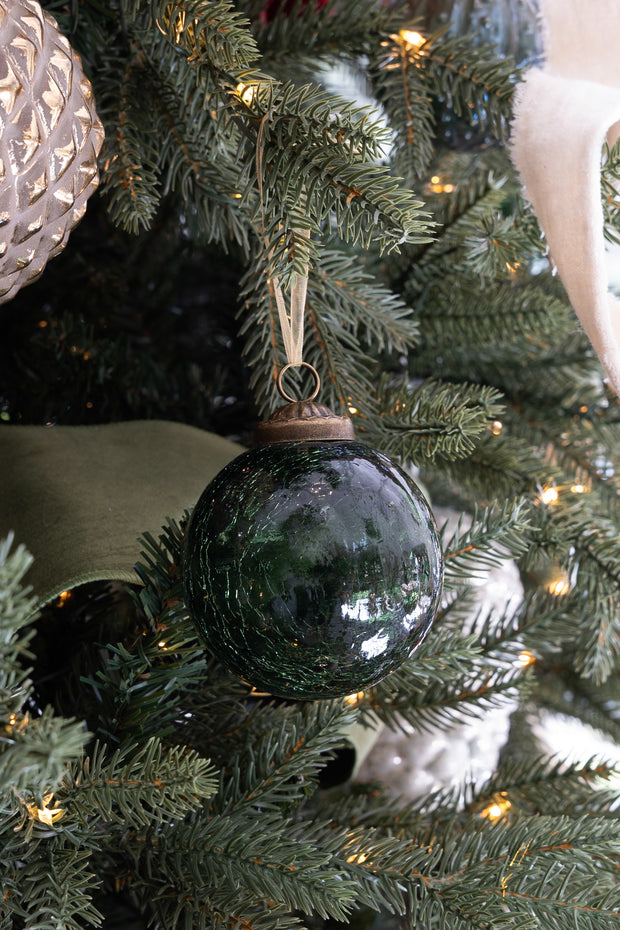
(312,566)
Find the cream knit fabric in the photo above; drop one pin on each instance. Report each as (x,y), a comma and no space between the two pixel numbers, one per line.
(564,112)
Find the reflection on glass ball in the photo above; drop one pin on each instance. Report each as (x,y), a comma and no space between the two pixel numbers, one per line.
(312,569)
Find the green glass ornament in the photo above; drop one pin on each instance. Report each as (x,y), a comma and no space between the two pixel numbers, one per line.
(312,566)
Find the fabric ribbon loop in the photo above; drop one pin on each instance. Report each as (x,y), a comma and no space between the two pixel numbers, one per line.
(565,111)
(292,325)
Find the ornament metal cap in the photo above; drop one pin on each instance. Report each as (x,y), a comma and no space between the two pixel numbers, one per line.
(303,419)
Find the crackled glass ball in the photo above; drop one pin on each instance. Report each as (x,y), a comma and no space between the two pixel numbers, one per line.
(312,569)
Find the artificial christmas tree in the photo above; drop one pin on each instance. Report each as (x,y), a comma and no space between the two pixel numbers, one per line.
(141,783)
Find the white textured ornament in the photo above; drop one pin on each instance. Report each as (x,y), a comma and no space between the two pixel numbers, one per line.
(50,136)
(564,113)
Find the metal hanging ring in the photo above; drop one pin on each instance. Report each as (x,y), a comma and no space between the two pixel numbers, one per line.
(317,382)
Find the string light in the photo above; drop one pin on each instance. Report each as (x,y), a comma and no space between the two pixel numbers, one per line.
(579,489)
(496,427)
(497,809)
(549,495)
(525,658)
(46,814)
(413,40)
(353,699)
(437,185)
(247,92)
(558,586)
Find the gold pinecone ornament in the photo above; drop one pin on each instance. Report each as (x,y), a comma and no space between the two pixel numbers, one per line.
(50,136)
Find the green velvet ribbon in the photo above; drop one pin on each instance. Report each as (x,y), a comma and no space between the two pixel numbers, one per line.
(79,497)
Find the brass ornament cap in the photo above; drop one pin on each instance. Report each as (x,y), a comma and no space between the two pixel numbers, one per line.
(303,420)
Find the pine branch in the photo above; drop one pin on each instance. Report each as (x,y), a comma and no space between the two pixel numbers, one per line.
(141,683)
(434,421)
(138,787)
(478,84)
(52,889)
(543,870)
(543,785)
(276,768)
(443,705)
(210,35)
(298,34)
(34,751)
(499,468)
(400,86)
(17,606)
(496,534)
(130,154)
(454,310)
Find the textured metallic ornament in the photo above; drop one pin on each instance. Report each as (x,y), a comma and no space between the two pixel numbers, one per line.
(50,136)
(312,566)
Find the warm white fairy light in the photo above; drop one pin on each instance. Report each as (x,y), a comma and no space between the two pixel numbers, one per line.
(414,40)
(247,92)
(558,586)
(46,814)
(525,658)
(353,699)
(549,495)
(497,809)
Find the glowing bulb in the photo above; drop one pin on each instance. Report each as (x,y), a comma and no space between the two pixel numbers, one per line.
(579,489)
(47,815)
(162,643)
(448,188)
(496,810)
(246,92)
(525,659)
(435,179)
(63,596)
(412,39)
(496,427)
(354,698)
(352,409)
(558,586)
(549,496)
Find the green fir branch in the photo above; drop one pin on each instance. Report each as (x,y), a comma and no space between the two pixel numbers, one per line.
(543,785)
(136,786)
(495,534)
(463,699)
(349,320)
(399,83)
(130,156)
(477,84)
(433,421)
(34,750)
(303,35)
(208,34)
(54,888)
(454,309)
